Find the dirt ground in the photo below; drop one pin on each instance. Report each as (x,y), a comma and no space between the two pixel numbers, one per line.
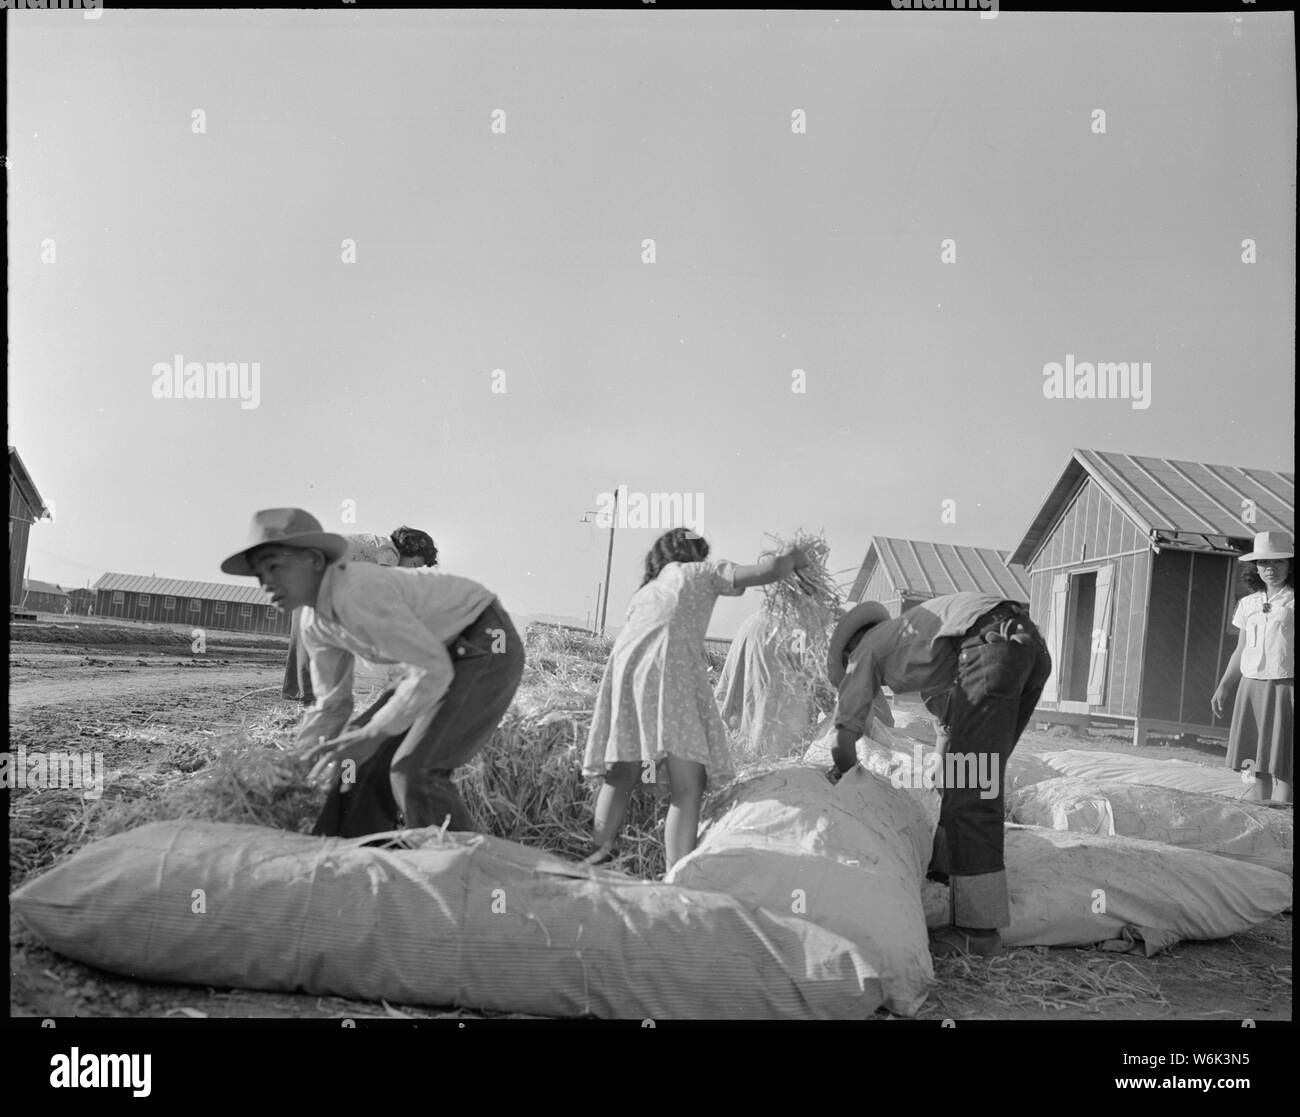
(136,694)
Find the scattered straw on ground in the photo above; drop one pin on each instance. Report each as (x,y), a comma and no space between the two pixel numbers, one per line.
(1036,977)
(1269,982)
(231,778)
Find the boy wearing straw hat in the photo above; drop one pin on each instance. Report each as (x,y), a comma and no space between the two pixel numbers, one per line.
(392,767)
(979,664)
(1262,668)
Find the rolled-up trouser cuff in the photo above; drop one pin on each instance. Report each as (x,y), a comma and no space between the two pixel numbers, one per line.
(980,901)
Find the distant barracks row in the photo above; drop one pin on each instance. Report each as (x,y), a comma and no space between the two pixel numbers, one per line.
(201,604)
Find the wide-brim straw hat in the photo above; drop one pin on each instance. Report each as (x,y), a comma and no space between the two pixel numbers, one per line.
(1270,545)
(285,527)
(861,615)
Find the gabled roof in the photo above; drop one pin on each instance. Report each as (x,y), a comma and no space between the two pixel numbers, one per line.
(1179,504)
(26,486)
(174,587)
(31,585)
(916,569)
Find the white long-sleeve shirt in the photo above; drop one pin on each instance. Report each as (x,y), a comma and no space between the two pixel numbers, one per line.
(385,615)
(379,549)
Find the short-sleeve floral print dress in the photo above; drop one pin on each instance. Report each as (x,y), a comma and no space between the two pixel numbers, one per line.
(655,697)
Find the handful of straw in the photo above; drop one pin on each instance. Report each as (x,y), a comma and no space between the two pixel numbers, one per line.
(804,608)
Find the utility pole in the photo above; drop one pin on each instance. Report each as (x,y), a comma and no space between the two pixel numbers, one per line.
(609,562)
(602,590)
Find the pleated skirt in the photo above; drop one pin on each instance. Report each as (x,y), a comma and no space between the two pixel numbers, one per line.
(1262,726)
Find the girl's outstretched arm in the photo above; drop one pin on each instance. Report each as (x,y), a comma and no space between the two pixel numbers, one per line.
(770,569)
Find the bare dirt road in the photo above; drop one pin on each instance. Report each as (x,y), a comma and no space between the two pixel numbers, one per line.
(37,683)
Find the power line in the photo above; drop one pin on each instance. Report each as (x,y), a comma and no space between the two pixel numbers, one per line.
(62,558)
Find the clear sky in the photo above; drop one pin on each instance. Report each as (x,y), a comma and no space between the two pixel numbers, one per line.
(521,250)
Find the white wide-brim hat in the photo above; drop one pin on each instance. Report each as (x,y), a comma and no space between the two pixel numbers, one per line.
(287,527)
(1270,545)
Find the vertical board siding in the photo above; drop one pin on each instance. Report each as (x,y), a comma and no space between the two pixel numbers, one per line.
(1040,607)
(1038,598)
(1093,520)
(1121,622)
(17,560)
(1069,529)
(1085,545)
(1049,553)
(1139,611)
(1162,678)
(878,587)
(20,518)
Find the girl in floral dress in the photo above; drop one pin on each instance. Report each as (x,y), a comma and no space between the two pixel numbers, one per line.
(655,704)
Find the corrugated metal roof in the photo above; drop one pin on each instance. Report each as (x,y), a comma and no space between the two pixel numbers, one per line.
(1193,497)
(918,569)
(1172,498)
(174,587)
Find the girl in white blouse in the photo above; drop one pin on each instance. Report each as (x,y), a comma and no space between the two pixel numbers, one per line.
(1263,669)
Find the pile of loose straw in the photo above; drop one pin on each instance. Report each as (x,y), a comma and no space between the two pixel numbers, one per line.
(526,785)
(230,778)
(804,607)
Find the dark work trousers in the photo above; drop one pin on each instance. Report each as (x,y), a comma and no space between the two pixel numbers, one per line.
(297,668)
(489,660)
(1002,666)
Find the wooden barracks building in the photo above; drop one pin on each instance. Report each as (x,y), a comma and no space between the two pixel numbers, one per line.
(901,573)
(25,508)
(134,597)
(1133,581)
(45,597)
